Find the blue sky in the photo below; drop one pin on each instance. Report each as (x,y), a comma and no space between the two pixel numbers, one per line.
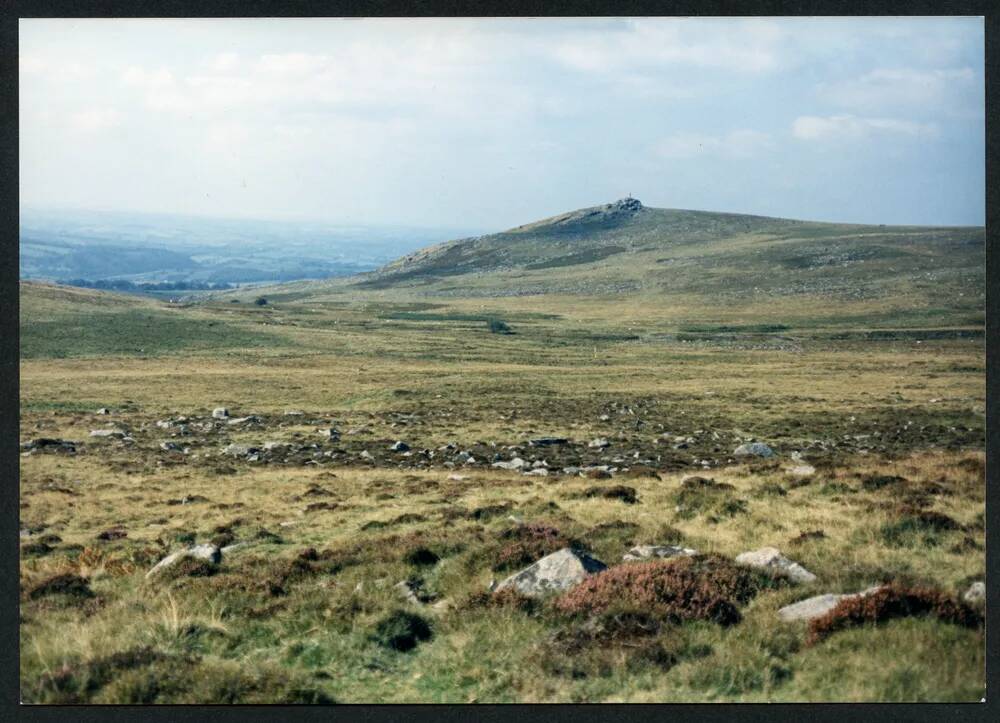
(493,123)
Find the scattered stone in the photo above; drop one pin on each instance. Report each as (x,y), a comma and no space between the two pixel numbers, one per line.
(803,470)
(753,449)
(103,410)
(408,592)
(818,606)
(515,464)
(365,454)
(537,472)
(170,447)
(976,593)
(294,413)
(649,552)
(331,432)
(220,413)
(400,446)
(771,560)
(553,573)
(210,553)
(457,477)
(599,443)
(548,441)
(237,450)
(57,445)
(243,420)
(117,434)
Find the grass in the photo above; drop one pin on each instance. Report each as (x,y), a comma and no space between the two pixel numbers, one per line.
(296,615)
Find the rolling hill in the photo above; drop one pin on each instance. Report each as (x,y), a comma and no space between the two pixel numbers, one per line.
(627,247)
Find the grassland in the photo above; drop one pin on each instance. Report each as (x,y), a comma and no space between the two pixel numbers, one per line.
(882,393)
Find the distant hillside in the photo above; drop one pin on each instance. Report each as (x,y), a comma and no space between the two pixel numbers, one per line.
(625,247)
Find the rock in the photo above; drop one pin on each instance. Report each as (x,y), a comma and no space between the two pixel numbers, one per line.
(103,410)
(753,449)
(648,552)
(599,443)
(170,447)
(331,432)
(274,446)
(294,413)
(237,450)
(817,606)
(553,573)
(365,454)
(118,434)
(220,413)
(772,561)
(976,594)
(537,472)
(211,553)
(548,441)
(407,592)
(243,420)
(515,464)
(604,417)
(803,470)
(399,446)
(457,477)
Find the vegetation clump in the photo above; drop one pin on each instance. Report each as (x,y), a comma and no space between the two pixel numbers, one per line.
(64,584)
(893,601)
(508,598)
(708,587)
(498,326)
(524,544)
(628,495)
(401,630)
(917,527)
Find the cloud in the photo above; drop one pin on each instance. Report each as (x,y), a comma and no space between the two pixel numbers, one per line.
(94,119)
(742,143)
(751,46)
(849,127)
(892,87)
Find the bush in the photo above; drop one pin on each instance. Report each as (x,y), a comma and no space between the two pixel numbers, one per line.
(917,527)
(705,587)
(616,492)
(260,301)
(894,601)
(401,631)
(528,543)
(496,326)
(508,598)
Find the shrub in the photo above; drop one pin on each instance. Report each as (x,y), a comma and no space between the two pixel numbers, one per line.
(496,326)
(616,492)
(400,630)
(700,495)
(917,527)
(508,598)
(65,584)
(260,301)
(705,587)
(877,482)
(528,543)
(893,601)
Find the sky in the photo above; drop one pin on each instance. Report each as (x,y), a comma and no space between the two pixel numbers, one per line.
(492,123)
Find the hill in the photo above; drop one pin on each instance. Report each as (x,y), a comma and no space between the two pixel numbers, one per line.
(627,247)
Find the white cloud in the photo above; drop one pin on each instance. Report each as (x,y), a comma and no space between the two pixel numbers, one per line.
(225,62)
(849,127)
(751,46)
(742,143)
(892,87)
(95,119)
